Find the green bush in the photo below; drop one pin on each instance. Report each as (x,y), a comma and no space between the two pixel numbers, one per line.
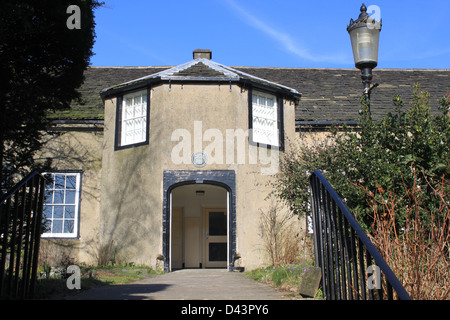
(406,148)
(393,175)
(287,276)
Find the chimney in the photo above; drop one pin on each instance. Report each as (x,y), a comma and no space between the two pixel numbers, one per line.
(202,53)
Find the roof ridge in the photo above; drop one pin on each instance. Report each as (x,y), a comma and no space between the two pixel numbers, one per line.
(128,67)
(220,68)
(277,68)
(345,69)
(264,80)
(228,73)
(176,69)
(169,71)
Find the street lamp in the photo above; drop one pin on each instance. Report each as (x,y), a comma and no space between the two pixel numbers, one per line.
(365,35)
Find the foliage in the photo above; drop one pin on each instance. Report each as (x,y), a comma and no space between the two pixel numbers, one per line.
(393,175)
(284,276)
(42,63)
(295,166)
(378,154)
(403,149)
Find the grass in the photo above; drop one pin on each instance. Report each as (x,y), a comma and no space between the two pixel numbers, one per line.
(114,275)
(284,277)
(53,284)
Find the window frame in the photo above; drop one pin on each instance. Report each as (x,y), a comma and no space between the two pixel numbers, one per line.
(119,145)
(77,203)
(280,118)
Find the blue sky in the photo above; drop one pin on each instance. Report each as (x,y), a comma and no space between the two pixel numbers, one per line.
(268,33)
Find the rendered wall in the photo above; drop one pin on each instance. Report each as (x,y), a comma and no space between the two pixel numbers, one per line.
(132,179)
(77,147)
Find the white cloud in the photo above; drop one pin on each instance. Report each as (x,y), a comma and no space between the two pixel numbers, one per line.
(285,39)
(127,42)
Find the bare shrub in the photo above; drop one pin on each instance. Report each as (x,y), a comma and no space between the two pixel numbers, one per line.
(105,253)
(58,254)
(280,233)
(417,252)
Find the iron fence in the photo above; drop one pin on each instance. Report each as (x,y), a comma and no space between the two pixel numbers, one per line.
(352,268)
(20,232)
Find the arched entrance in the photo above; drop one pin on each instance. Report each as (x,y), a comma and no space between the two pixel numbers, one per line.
(199,227)
(199,219)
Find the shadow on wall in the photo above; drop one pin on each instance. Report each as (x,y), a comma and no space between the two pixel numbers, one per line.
(73,149)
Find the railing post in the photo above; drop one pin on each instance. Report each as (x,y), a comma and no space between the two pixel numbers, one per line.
(37,231)
(348,260)
(362,269)
(342,249)
(5,212)
(21,220)
(336,249)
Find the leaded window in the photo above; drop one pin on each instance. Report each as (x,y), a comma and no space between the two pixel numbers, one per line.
(265,128)
(61,204)
(133,123)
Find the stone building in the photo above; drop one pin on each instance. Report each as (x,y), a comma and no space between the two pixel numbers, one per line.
(173,164)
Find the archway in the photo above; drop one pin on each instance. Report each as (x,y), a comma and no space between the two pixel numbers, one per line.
(202,237)
(199,227)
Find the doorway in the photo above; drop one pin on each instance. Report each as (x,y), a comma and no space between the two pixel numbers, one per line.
(224,180)
(199,227)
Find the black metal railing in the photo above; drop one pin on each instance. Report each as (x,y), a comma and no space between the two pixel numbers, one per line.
(352,268)
(20,232)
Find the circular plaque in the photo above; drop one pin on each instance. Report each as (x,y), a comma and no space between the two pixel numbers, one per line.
(199,159)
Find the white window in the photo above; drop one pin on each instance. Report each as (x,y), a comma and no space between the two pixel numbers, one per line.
(265,119)
(62,197)
(134,118)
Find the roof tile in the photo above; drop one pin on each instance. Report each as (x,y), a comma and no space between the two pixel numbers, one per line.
(327,94)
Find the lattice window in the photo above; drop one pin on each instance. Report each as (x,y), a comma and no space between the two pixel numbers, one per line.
(62,194)
(134,118)
(265,119)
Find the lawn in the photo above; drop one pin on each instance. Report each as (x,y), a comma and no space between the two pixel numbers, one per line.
(284,277)
(53,283)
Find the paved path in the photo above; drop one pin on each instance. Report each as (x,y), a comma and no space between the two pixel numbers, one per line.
(187,284)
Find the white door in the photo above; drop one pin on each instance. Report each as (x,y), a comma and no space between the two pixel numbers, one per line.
(215,230)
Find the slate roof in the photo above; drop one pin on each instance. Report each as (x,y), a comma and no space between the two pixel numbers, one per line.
(96,79)
(326,94)
(334,94)
(201,69)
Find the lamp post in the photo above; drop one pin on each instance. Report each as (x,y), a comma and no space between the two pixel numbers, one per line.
(365,36)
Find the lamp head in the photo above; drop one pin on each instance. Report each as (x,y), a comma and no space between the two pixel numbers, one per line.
(365,35)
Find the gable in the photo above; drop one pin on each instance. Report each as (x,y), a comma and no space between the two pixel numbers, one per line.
(201,70)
